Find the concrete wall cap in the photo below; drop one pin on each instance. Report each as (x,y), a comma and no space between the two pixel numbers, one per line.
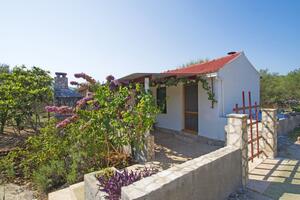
(268,109)
(239,116)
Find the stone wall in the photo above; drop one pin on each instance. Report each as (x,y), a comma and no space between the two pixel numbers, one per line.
(211,177)
(288,124)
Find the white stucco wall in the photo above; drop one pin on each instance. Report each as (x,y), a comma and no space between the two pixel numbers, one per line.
(235,77)
(231,80)
(210,123)
(173,119)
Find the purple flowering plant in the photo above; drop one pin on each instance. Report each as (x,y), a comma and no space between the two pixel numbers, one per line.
(94,132)
(112,185)
(90,137)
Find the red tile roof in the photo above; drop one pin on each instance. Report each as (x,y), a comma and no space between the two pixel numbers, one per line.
(206,67)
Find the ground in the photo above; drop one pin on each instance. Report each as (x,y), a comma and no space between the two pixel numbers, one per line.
(171,149)
(277,178)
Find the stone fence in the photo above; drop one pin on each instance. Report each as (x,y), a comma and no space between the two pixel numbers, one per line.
(214,175)
(211,177)
(286,125)
(238,135)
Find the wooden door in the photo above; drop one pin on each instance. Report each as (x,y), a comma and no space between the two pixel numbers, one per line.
(191,107)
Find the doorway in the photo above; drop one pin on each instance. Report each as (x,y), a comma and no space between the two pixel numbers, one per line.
(191,108)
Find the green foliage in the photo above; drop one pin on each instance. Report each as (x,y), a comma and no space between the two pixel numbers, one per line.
(49,176)
(23,93)
(281,91)
(294,134)
(175,81)
(95,141)
(4,68)
(105,173)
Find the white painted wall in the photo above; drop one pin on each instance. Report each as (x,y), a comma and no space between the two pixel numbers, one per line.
(210,123)
(235,77)
(231,80)
(173,119)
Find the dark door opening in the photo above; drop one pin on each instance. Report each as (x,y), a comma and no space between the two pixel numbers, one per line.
(191,107)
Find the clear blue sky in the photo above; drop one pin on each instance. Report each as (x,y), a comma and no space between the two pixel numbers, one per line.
(122,37)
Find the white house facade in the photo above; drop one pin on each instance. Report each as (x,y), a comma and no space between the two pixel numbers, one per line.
(188,108)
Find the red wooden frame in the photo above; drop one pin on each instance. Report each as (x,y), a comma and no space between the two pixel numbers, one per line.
(256,107)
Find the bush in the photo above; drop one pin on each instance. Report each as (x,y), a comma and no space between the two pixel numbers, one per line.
(92,138)
(296,109)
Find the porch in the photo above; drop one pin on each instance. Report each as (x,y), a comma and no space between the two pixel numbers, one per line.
(172,148)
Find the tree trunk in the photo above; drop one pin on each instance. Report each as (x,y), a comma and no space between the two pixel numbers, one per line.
(3,122)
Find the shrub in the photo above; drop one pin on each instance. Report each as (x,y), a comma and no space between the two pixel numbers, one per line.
(91,138)
(49,176)
(296,108)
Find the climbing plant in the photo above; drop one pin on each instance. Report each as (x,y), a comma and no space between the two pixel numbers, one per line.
(173,81)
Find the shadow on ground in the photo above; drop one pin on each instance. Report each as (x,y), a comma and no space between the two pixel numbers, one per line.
(278,178)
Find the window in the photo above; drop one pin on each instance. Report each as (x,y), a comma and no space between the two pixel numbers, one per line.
(161,99)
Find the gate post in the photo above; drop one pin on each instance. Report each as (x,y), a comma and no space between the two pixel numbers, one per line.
(269,132)
(237,136)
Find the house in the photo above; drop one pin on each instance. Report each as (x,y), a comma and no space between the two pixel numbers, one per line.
(187,104)
(63,95)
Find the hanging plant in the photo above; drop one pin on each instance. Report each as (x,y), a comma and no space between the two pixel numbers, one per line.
(173,81)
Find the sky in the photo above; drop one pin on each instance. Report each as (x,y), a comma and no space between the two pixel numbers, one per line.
(122,37)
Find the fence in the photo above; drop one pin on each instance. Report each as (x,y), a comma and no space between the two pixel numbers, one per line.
(254,133)
(211,177)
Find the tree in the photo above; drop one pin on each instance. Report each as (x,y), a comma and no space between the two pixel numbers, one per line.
(281,91)
(293,86)
(272,88)
(4,68)
(23,92)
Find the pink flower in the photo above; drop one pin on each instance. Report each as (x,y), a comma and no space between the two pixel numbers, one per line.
(110,78)
(86,77)
(82,102)
(114,84)
(67,121)
(59,110)
(51,108)
(65,110)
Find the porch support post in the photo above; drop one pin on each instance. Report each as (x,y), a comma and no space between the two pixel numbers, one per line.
(147,83)
(237,136)
(269,132)
(147,153)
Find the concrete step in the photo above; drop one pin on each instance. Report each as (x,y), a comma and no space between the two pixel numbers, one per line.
(73,192)
(61,194)
(77,191)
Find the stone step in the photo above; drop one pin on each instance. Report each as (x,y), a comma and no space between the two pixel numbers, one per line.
(73,192)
